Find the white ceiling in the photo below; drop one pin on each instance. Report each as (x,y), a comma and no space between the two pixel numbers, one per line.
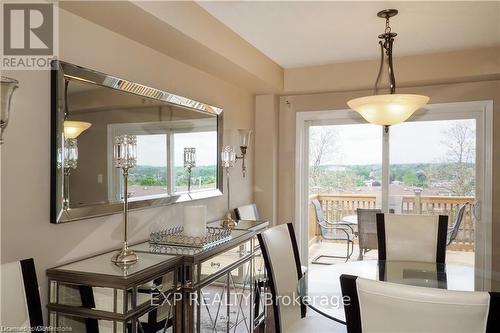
(305,33)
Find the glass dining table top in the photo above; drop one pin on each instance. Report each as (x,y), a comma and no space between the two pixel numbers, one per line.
(320,288)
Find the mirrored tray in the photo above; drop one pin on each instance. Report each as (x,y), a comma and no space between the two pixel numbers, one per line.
(174,236)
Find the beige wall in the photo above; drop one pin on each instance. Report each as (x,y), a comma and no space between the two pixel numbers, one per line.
(25,230)
(415,70)
(459,92)
(266,156)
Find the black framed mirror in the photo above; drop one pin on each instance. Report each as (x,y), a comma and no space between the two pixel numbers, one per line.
(177,145)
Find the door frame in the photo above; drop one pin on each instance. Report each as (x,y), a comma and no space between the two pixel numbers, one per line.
(482,111)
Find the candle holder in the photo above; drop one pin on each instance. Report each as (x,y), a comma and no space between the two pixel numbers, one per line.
(125,157)
(245,136)
(189,163)
(228,158)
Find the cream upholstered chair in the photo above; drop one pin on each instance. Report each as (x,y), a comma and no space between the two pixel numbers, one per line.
(247,212)
(412,237)
(251,213)
(281,256)
(375,306)
(21,306)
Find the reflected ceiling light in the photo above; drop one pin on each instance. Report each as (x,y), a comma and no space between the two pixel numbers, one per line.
(72,129)
(389,109)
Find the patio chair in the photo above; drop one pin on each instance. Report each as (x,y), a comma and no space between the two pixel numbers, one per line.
(333,231)
(367,230)
(453,230)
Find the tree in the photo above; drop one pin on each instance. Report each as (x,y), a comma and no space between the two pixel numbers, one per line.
(147,181)
(459,168)
(460,140)
(321,143)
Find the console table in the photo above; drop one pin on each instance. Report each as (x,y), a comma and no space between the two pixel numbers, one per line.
(170,289)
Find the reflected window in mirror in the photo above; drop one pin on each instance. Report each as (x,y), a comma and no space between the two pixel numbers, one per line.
(204,173)
(150,176)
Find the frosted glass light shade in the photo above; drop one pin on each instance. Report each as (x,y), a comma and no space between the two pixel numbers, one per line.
(245,135)
(72,129)
(387,109)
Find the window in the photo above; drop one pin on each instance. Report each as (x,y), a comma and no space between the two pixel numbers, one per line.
(160,167)
(150,175)
(204,174)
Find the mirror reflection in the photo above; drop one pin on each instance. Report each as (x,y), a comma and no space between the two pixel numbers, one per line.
(171,152)
(163,133)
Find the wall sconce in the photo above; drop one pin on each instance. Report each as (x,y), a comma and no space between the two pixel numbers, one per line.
(72,129)
(245,136)
(125,158)
(8,86)
(228,159)
(189,163)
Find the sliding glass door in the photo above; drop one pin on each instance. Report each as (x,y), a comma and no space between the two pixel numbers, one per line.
(433,171)
(438,162)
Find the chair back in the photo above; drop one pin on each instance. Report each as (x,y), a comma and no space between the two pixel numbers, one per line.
(320,218)
(247,213)
(367,228)
(376,306)
(412,237)
(396,204)
(456,226)
(282,261)
(21,306)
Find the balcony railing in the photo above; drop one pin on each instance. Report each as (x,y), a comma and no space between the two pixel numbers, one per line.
(337,206)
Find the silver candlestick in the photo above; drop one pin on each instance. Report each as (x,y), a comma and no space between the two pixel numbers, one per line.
(189,163)
(125,157)
(228,158)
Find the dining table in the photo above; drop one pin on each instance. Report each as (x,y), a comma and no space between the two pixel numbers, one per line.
(320,288)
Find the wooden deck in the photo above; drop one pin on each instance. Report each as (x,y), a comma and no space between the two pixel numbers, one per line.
(339,249)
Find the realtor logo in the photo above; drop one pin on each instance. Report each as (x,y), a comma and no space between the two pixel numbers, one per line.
(29,35)
(28,29)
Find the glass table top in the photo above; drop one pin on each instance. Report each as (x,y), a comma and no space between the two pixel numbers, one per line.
(322,292)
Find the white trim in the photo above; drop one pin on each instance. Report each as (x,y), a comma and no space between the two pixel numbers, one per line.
(482,111)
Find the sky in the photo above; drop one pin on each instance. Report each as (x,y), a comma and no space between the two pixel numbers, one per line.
(410,142)
(151,149)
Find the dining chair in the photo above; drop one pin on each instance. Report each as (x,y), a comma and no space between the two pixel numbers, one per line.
(281,257)
(251,213)
(376,306)
(337,231)
(21,306)
(247,212)
(412,237)
(367,230)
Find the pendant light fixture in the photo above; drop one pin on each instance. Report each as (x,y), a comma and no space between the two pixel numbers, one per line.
(392,108)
